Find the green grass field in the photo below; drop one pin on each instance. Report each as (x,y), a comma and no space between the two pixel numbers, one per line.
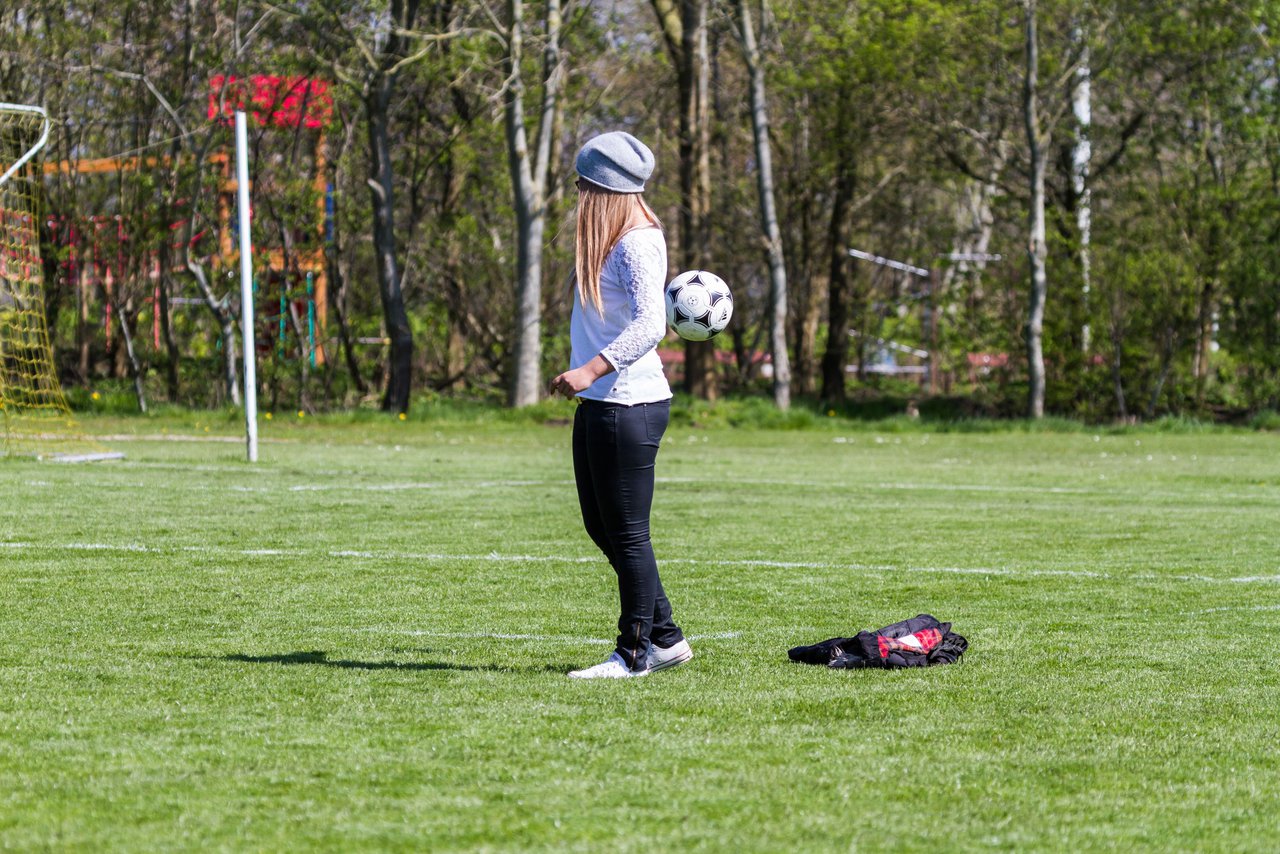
(360,643)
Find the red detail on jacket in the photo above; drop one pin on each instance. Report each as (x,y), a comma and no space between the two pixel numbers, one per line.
(921,642)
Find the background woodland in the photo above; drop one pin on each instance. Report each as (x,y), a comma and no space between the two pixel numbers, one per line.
(1092,188)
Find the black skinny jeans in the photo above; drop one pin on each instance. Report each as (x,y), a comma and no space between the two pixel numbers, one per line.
(614,449)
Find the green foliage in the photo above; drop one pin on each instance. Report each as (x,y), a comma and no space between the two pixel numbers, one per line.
(1268,419)
(920,104)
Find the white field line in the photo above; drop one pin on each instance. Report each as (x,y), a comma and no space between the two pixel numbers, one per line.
(1233,608)
(463,485)
(497,557)
(462,558)
(185,437)
(870,487)
(565,639)
(965,487)
(336,486)
(725,483)
(397,487)
(1113,493)
(242,468)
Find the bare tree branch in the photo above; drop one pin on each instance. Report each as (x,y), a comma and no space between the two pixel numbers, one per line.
(146,81)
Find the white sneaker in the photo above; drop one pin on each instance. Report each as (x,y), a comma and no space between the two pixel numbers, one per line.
(612,668)
(661,659)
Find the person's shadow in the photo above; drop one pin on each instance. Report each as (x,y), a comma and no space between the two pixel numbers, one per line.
(321,658)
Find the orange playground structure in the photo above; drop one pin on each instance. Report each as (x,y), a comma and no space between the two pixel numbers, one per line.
(96,258)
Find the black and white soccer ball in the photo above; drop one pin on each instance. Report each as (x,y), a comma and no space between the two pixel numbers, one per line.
(699,305)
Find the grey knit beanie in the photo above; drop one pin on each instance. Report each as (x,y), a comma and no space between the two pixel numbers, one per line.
(615,161)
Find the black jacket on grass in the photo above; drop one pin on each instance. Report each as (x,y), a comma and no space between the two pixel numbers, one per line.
(918,642)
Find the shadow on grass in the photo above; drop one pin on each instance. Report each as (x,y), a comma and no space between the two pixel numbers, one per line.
(321,658)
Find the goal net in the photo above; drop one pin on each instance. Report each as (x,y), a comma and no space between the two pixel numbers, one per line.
(36,418)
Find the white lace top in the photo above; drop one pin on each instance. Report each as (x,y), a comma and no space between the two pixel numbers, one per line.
(634,322)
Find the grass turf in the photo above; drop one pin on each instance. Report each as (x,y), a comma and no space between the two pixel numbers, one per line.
(360,643)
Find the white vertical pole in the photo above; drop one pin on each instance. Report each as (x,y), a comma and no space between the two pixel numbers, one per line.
(246,288)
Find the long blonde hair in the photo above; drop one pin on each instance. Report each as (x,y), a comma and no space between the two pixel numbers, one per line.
(602,220)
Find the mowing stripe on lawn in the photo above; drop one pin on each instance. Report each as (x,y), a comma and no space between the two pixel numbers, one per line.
(1264,493)
(496,557)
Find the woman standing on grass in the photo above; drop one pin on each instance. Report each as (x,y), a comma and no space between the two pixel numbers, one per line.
(624,400)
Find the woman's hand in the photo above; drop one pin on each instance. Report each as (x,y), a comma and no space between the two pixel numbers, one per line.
(570,383)
(580,379)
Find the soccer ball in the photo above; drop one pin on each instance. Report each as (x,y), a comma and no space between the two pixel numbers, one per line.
(699,305)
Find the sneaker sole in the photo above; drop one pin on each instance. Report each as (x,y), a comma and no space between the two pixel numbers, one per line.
(671,662)
(634,674)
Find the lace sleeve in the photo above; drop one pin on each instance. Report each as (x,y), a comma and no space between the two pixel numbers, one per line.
(640,263)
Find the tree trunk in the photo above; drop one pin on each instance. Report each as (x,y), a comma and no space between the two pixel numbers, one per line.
(452,276)
(164,315)
(455,363)
(1211,270)
(383,56)
(135,368)
(83,343)
(1081,152)
(700,364)
(337,265)
(684,28)
(1036,248)
(768,214)
(809,294)
(529,173)
(400,367)
(836,356)
(217,307)
(226,322)
(1168,346)
(452,181)
(977,224)
(290,257)
(976,240)
(1117,376)
(525,385)
(1206,317)
(336,269)
(805,375)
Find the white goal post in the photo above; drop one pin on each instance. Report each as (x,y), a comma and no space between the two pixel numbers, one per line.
(36,147)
